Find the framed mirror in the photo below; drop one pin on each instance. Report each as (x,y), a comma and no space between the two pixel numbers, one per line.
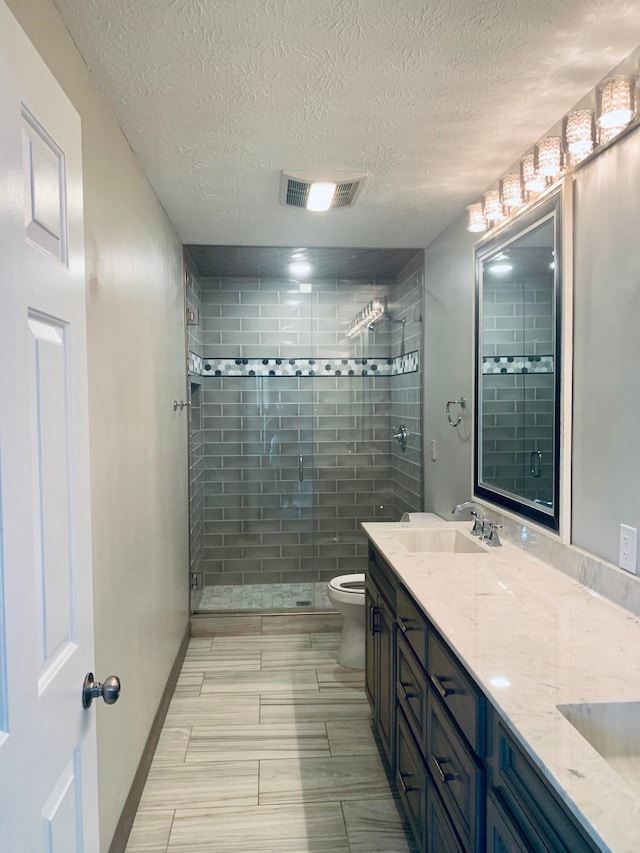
(519,271)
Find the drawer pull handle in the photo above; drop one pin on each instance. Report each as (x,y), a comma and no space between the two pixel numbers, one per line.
(442,690)
(402,784)
(446,777)
(374,612)
(404,627)
(403,693)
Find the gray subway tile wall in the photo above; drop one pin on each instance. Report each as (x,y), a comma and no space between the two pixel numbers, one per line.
(260,522)
(517,409)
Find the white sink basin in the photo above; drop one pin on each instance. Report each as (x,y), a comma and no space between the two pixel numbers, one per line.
(613,730)
(437,541)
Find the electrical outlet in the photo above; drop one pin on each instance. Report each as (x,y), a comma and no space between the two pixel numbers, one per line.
(628,557)
(432,448)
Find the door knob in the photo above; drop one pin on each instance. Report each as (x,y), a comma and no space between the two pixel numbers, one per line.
(109,690)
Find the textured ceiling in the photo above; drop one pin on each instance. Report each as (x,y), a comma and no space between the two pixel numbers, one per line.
(433,99)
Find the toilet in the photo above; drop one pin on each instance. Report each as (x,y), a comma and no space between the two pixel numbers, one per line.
(346,593)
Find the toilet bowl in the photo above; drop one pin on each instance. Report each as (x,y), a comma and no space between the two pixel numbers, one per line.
(346,593)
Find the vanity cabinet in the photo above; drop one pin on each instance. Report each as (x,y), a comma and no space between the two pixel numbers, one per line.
(464,782)
(530,808)
(380,605)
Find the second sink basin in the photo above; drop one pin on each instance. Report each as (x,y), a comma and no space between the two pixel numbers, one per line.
(437,541)
(613,730)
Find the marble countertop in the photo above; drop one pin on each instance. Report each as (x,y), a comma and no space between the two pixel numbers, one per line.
(534,639)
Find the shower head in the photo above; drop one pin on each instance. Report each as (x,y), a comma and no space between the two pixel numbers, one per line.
(372,327)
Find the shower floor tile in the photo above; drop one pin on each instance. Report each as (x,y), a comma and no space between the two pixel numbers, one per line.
(264,596)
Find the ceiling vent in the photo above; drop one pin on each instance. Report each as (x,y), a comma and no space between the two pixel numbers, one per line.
(295,187)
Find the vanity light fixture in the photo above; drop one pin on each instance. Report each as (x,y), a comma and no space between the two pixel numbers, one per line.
(583,132)
(492,206)
(477,223)
(511,191)
(579,133)
(617,101)
(369,314)
(548,157)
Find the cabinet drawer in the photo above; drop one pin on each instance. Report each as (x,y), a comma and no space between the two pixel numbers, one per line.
(412,624)
(441,836)
(456,773)
(457,691)
(503,836)
(411,779)
(383,576)
(543,820)
(411,690)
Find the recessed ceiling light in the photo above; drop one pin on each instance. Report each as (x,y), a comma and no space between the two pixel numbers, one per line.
(300,268)
(501,268)
(321,195)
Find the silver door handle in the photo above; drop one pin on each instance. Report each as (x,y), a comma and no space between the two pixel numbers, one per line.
(110,690)
(301,467)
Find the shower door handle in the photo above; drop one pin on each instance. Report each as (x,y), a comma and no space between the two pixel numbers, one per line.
(301,467)
(536,463)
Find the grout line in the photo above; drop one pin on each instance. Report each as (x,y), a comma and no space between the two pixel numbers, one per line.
(173,817)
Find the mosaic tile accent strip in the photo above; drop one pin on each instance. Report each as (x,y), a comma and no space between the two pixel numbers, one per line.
(310,366)
(409,363)
(196,365)
(517,364)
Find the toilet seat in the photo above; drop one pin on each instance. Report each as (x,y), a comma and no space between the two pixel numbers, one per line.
(348,584)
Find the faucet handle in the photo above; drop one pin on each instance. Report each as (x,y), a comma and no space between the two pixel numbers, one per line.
(493,540)
(478,524)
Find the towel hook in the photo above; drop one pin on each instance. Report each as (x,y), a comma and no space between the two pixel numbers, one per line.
(462,402)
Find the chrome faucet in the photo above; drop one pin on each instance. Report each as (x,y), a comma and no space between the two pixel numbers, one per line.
(477,512)
(483,527)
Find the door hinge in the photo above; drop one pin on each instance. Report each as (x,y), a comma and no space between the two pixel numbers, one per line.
(196,580)
(193,317)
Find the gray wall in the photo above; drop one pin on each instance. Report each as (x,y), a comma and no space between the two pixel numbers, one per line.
(135,335)
(448,366)
(606,433)
(606,399)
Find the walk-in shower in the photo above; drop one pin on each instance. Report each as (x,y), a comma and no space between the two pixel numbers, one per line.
(291,419)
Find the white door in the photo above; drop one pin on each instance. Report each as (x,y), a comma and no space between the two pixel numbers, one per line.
(48,780)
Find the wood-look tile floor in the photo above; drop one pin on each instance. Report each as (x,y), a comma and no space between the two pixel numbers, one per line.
(267,746)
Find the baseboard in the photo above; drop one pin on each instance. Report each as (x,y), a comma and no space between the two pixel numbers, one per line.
(123,829)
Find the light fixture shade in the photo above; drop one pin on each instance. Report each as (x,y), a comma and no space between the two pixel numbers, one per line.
(492,206)
(531,180)
(477,222)
(606,134)
(511,191)
(617,101)
(548,157)
(579,133)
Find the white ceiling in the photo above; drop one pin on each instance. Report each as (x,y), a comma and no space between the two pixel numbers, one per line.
(434,99)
